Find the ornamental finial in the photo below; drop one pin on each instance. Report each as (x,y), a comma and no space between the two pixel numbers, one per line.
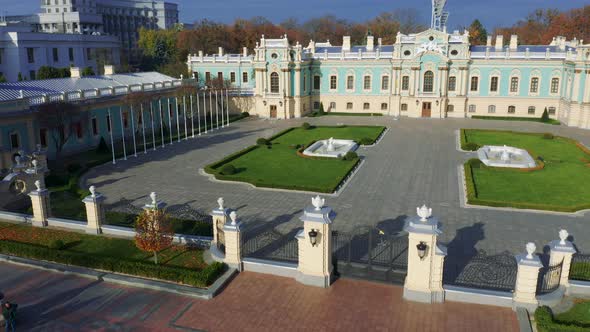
(233,216)
(92,190)
(318,202)
(530,249)
(38,185)
(424,212)
(563,235)
(154,198)
(220,202)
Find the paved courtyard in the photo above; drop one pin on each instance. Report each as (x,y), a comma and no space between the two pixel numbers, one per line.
(252,302)
(415,163)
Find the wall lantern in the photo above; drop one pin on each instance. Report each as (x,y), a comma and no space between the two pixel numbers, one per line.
(417,102)
(264,102)
(281,103)
(421,247)
(437,103)
(313,237)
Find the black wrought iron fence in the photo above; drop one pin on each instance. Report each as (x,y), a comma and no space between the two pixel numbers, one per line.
(580,267)
(495,272)
(271,245)
(549,278)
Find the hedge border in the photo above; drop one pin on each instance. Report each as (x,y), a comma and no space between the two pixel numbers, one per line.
(547,323)
(472,189)
(200,279)
(212,168)
(552,122)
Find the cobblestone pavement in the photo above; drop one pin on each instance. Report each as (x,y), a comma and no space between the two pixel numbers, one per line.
(252,302)
(415,163)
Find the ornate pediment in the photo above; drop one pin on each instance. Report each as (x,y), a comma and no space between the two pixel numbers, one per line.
(431,46)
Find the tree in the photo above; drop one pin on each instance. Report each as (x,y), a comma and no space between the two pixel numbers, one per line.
(2,79)
(321,111)
(62,121)
(88,71)
(545,116)
(153,231)
(20,77)
(477,33)
(48,72)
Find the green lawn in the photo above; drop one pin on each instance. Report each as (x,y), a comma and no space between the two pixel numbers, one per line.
(177,263)
(562,185)
(280,167)
(316,114)
(578,314)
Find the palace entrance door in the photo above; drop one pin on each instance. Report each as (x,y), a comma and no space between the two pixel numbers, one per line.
(273,111)
(426,109)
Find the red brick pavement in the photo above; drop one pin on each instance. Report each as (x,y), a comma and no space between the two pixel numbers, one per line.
(252,302)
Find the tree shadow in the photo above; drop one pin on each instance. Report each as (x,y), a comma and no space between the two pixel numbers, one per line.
(461,250)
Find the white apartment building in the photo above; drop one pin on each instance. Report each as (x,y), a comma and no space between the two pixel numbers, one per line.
(24,51)
(121,18)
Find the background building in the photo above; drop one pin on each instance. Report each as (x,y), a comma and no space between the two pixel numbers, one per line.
(24,51)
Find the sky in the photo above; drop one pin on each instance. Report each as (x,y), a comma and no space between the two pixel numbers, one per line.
(491,13)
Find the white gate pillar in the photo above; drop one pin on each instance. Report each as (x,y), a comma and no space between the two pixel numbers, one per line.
(425,259)
(562,250)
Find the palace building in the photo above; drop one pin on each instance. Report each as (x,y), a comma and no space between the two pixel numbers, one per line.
(431,74)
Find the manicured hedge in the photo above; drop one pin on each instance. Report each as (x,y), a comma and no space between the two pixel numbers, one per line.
(515,118)
(191,277)
(546,323)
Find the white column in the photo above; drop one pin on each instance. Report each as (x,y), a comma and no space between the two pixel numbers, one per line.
(122,133)
(170,119)
(184,108)
(143,127)
(94,211)
(133,131)
(192,116)
(425,258)
(111,133)
(527,276)
(40,204)
(315,245)
(199,113)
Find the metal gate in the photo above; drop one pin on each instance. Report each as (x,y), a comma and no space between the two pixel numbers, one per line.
(271,245)
(549,278)
(369,253)
(495,272)
(220,236)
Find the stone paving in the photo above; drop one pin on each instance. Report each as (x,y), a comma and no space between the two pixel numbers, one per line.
(415,163)
(252,302)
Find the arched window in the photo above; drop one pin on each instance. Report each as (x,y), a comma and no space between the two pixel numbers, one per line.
(274,83)
(428,81)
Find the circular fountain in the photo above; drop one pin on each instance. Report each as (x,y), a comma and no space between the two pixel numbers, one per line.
(505,156)
(331,148)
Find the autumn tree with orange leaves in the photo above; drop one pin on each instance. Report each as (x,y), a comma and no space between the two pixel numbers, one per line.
(153,231)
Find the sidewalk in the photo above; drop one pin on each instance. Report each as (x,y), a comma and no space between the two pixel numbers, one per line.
(252,302)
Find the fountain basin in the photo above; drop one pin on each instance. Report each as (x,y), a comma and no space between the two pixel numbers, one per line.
(505,156)
(331,148)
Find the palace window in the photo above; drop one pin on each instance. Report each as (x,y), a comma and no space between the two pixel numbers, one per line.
(304,82)
(551,110)
(332,105)
(428,82)
(385,83)
(492,109)
(514,84)
(108,123)
(125,120)
(534,85)
(383,106)
(220,77)
(316,82)
(404,107)
(450,108)
(366,106)
(555,85)
(14,141)
(405,83)
(472,108)
(274,82)
(531,110)
(244,77)
(494,84)
(43,137)
(31,54)
(348,106)
(71,54)
(94,124)
(78,130)
(474,83)
(367,82)
(511,109)
(333,82)
(452,83)
(55,54)
(232,77)
(350,82)
(207,77)
(316,105)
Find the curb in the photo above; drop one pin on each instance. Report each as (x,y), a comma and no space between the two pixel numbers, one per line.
(120,279)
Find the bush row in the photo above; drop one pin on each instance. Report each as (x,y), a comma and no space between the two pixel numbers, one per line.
(201,279)
(546,323)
